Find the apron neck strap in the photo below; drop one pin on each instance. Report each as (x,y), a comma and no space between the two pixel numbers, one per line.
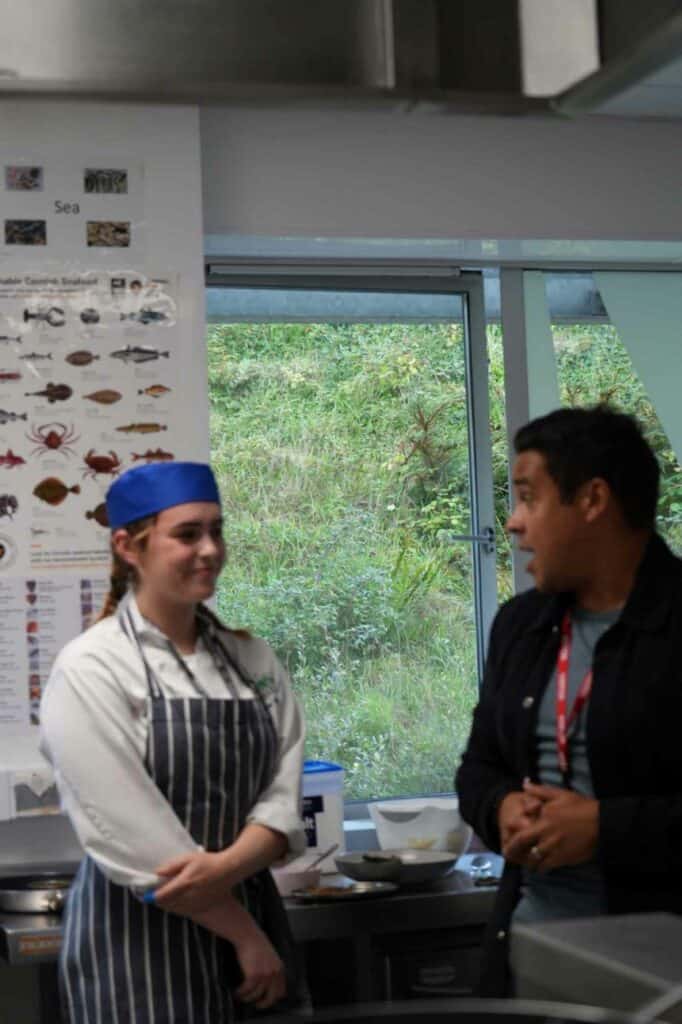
(126,623)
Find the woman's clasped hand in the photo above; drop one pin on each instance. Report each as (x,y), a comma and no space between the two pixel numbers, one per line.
(193,882)
(198,883)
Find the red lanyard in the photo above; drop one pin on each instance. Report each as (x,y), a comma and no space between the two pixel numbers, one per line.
(564,720)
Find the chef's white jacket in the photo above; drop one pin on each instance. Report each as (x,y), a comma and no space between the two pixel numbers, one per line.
(94,733)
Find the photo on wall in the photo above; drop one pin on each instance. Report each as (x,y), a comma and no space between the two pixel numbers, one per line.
(105,181)
(108,233)
(23,178)
(25,232)
(8,550)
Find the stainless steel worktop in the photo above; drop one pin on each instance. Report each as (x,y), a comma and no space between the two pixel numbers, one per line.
(454,902)
(621,962)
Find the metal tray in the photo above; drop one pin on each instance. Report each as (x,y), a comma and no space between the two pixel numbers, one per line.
(334,893)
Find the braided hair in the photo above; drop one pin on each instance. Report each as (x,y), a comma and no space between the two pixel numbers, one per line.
(122,575)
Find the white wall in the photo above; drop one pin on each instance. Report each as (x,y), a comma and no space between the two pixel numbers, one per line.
(391,175)
(164,142)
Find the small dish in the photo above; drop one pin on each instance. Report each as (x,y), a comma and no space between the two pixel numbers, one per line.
(300,878)
(350,891)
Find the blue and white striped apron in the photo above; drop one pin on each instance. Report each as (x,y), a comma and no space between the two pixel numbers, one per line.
(126,962)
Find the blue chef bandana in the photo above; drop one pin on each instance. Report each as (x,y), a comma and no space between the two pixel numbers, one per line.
(146,490)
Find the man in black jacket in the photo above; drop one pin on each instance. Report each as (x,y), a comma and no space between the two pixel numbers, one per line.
(573,768)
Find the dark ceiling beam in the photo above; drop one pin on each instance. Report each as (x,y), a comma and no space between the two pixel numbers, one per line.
(400,101)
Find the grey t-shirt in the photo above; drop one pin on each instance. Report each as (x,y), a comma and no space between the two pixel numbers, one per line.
(571,891)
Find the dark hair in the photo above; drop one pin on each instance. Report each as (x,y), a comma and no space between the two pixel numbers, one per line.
(581,444)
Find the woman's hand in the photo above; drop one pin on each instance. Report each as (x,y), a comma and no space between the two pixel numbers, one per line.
(195,881)
(264,981)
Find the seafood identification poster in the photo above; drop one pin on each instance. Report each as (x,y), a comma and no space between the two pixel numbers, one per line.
(102,367)
(89,378)
(88,385)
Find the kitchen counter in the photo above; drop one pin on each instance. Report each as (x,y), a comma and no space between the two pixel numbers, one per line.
(453,902)
(354,950)
(399,946)
(32,938)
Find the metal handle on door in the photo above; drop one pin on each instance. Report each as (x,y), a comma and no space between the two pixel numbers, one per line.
(486,538)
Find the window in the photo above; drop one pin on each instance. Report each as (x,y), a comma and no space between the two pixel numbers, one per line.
(359,435)
(593,366)
(348,474)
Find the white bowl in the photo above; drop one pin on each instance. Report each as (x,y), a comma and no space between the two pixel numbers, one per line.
(426,823)
(302,878)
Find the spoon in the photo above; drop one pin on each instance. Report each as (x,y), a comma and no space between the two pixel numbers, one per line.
(321,857)
(481,866)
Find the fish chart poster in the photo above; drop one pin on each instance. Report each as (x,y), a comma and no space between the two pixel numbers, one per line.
(39,613)
(89,384)
(88,380)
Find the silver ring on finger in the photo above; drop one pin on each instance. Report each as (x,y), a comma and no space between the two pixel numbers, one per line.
(536,853)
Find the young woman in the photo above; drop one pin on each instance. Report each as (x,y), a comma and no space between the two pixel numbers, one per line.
(177,746)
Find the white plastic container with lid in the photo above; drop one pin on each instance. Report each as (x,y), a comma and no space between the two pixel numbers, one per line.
(323,809)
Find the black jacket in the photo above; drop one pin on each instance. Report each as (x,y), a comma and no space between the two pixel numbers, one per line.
(634,742)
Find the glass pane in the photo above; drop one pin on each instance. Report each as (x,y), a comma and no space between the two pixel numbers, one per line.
(594,366)
(342,453)
(500,458)
(280,305)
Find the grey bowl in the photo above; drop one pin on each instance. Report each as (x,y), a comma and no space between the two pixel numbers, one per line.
(406,867)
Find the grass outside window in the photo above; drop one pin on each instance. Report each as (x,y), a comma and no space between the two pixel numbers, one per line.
(342,456)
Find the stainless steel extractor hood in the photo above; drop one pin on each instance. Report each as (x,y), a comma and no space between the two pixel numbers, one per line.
(440,55)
